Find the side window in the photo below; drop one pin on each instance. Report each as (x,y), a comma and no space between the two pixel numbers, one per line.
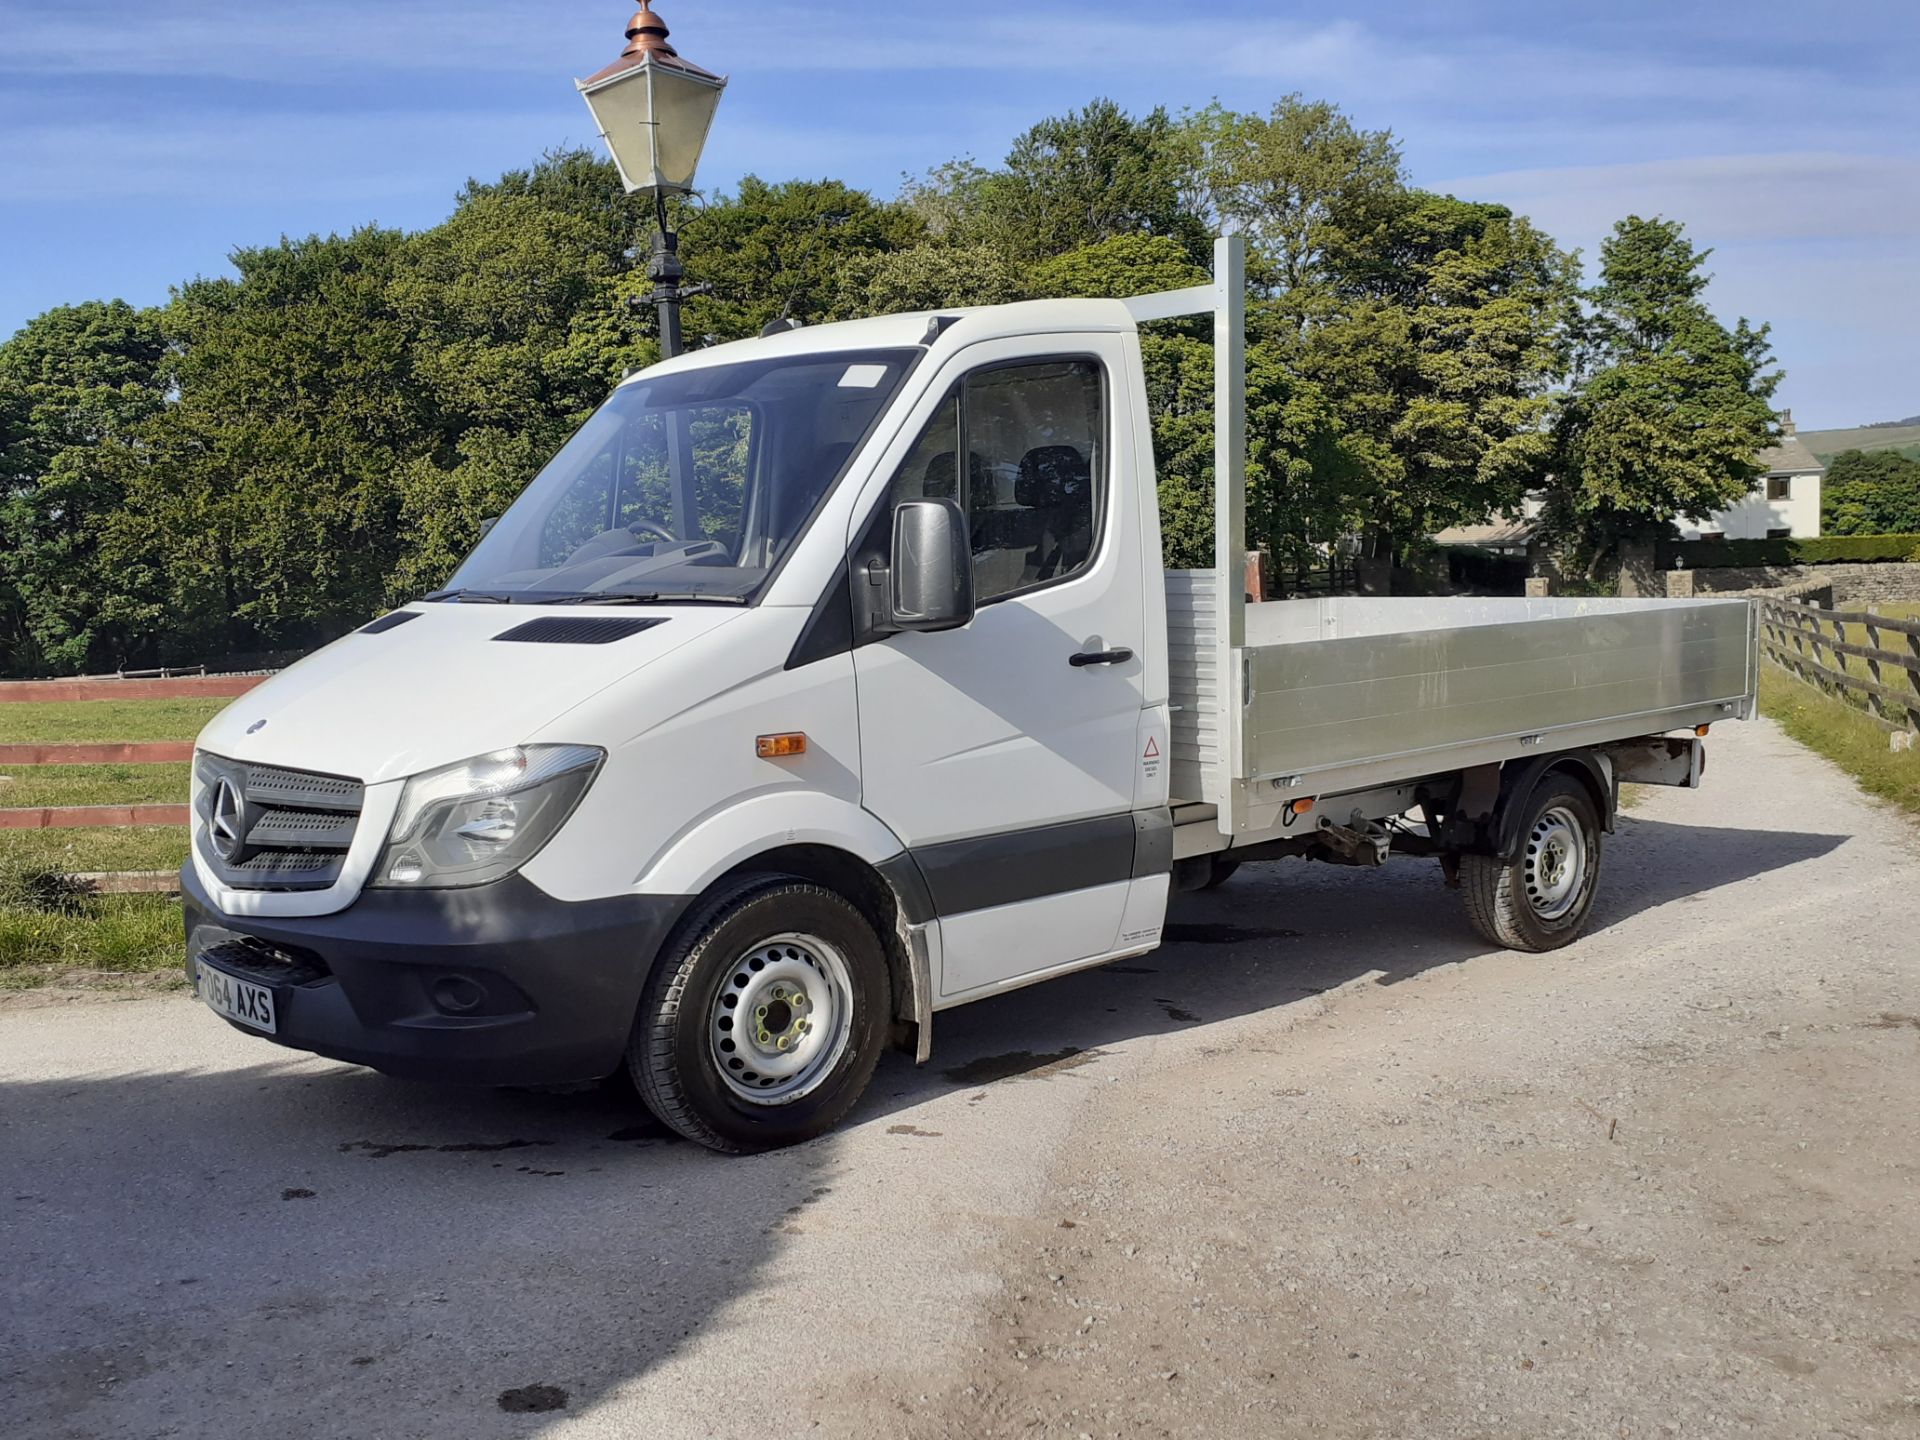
(1036,473)
(1033,476)
(931,468)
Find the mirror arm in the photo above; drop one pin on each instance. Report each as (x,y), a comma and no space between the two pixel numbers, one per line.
(876,605)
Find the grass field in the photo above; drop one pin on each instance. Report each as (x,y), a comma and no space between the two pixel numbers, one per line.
(1844,735)
(30,785)
(1828,443)
(103,939)
(53,937)
(147,847)
(41,722)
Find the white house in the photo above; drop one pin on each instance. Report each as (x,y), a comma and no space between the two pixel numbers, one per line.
(1785,503)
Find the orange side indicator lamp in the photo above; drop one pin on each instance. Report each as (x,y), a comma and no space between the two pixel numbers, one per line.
(780,747)
(1701,730)
(1302,806)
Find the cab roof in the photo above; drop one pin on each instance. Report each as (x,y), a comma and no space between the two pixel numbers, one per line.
(965,326)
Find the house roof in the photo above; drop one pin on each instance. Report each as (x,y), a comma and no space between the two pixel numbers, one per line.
(1501,530)
(1789,457)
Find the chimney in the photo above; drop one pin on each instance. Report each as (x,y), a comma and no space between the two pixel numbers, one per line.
(1786,424)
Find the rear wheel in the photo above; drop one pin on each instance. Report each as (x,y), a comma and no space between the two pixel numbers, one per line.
(1219,871)
(763,1022)
(1540,900)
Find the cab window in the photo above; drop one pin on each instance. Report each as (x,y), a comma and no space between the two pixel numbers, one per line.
(1030,475)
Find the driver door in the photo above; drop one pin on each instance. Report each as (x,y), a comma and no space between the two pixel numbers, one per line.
(1005,753)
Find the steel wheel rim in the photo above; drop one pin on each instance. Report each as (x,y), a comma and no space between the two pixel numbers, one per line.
(1556,863)
(782,1019)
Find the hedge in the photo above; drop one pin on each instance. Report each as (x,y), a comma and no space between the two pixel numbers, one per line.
(1827,550)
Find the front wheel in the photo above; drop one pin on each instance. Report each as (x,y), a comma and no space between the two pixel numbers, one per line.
(1540,900)
(763,1022)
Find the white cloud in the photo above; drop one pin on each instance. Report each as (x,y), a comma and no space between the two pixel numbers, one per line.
(1721,198)
(345,157)
(1821,246)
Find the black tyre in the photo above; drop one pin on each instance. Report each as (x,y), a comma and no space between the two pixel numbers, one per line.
(1541,899)
(1220,870)
(764,1019)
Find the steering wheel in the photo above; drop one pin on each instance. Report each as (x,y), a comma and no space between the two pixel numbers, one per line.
(656,527)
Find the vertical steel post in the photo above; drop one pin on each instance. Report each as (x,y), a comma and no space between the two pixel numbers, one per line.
(1230,512)
(666,272)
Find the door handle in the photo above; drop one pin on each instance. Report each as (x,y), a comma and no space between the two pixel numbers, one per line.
(1118,656)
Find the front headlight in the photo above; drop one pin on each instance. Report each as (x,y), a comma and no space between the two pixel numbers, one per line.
(482,819)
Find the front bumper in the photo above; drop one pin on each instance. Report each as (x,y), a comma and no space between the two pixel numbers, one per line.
(497,985)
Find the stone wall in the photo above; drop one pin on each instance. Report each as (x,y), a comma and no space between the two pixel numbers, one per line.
(1855,587)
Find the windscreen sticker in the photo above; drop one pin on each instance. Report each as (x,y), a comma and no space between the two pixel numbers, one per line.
(863,377)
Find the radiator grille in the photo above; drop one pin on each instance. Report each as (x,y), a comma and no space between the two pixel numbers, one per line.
(298,825)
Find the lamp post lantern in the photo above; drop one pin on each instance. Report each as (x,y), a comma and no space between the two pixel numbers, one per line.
(654,110)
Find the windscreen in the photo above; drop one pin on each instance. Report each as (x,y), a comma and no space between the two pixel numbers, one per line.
(686,487)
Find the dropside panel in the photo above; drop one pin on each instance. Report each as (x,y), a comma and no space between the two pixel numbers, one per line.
(1423,691)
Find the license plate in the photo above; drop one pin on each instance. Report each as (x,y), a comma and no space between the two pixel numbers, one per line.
(236,999)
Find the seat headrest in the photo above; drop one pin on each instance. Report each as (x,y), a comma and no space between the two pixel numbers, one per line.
(1051,475)
(936,481)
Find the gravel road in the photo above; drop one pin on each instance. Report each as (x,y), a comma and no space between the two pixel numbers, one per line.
(1325,1165)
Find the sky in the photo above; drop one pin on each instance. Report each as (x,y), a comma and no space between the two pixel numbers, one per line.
(142,143)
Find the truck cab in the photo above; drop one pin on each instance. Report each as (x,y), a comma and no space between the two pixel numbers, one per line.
(821,682)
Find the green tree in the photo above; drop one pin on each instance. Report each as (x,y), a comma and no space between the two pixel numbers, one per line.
(1070,181)
(73,383)
(264,498)
(1440,363)
(516,331)
(1311,191)
(1669,408)
(1871,492)
(925,277)
(773,252)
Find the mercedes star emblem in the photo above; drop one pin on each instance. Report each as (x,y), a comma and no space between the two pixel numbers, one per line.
(228,822)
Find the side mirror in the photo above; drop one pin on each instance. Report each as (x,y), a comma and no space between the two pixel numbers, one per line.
(931,579)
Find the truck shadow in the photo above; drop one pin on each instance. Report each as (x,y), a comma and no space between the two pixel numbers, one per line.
(1279,934)
(390,1258)
(190,1250)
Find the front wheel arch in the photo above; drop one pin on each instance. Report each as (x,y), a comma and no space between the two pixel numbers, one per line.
(685,1017)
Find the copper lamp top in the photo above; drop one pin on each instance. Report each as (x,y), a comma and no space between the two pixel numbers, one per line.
(647,34)
(647,42)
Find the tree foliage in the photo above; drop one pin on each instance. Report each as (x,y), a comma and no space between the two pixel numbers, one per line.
(1871,492)
(274,456)
(75,384)
(1670,408)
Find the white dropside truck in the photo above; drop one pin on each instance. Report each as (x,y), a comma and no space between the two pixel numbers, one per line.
(829,680)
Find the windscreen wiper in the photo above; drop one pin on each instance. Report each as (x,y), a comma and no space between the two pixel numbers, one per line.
(470,597)
(651,597)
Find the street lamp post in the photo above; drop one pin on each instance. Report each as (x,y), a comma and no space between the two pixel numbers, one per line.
(654,110)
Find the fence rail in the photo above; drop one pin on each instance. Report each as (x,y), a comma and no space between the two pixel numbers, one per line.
(1796,638)
(185,687)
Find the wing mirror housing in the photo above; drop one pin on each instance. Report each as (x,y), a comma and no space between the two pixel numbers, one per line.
(930,579)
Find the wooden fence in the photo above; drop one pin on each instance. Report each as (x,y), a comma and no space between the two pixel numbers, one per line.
(147,685)
(113,687)
(1812,645)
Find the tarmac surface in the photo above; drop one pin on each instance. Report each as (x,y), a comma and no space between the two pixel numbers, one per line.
(1325,1164)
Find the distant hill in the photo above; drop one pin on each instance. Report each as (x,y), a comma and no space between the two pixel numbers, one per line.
(1903,436)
